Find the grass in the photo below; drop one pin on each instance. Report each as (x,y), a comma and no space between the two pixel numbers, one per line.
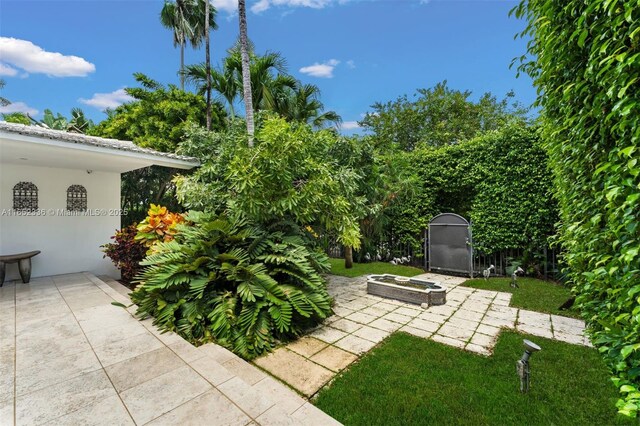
(337,268)
(413,381)
(533,294)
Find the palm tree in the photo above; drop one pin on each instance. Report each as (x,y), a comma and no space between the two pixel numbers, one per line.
(267,74)
(224,81)
(208,61)
(302,103)
(175,16)
(246,77)
(272,88)
(79,123)
(202,19)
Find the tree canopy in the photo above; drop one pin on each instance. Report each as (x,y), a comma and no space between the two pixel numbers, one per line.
(437,116)
(158,116)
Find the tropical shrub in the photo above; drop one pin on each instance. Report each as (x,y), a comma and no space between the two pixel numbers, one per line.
(142,187)
(585,61)
(125,252)
(226,280)
(159,225)
(289,175)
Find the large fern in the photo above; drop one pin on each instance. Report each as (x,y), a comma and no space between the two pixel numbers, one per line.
(235,283)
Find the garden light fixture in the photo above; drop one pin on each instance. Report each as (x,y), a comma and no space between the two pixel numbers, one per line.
(522,365)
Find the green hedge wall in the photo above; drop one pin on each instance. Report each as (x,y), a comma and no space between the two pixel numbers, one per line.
(500,181)
(585,62)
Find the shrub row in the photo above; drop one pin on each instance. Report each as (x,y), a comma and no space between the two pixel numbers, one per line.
(585,61)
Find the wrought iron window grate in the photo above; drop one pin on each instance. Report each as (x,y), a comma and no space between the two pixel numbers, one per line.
(25,197)
(76,198)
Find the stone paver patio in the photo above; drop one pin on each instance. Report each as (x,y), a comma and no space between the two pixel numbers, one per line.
(471,320)
(68,357)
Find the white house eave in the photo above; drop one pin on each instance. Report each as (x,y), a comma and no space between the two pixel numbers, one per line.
(128,160)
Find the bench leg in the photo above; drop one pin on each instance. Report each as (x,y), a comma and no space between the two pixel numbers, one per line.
(2,273)
(24,266)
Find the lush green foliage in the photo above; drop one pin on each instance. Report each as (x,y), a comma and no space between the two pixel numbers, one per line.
(413,381)
(585,61)
(142,187)
(158,116)
(359,269)
(382,179)
(125,252)
(499,180)
(239,285)
(78,122)
(438,116)
(17,117)
(289,175)
(533,294)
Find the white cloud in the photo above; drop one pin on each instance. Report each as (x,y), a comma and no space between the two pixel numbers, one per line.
(263,5)
(7,70)
(229,6)
(33,59)
(351,64)
(350,125)
(324,70)
(111,100)
(18,107)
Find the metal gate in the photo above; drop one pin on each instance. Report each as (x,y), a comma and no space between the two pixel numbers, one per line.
(450,244)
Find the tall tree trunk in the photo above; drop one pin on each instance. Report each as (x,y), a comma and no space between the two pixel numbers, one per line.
(246,76)
(348,257)
(182,65)
(208,63)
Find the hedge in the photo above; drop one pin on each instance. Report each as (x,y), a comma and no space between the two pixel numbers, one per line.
(584,57)
(500,181)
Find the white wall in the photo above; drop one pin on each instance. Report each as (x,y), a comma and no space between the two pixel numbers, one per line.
(68,243)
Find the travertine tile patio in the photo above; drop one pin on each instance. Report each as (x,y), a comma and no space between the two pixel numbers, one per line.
(470,320)
(68,356)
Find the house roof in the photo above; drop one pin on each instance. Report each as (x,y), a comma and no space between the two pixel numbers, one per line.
(60,143)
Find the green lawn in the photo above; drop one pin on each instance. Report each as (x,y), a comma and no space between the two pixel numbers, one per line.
(533,294)
(337,268)
(413,381)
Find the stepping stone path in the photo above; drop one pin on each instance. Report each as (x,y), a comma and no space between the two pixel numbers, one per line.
(471,320)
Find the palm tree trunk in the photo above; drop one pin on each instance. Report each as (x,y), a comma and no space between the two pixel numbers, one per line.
(208,60)
(246,77)
(182,65)
(348,257)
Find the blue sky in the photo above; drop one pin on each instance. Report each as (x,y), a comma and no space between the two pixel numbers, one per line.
(65,54)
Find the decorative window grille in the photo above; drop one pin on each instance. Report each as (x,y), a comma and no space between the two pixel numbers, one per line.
(25,197)
(76,198)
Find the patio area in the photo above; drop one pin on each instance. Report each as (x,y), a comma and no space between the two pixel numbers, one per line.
(68,356)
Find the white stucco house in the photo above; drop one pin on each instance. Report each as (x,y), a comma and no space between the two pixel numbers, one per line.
(60,194)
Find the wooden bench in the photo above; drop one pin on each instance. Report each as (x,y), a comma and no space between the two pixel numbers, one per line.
(24,265)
